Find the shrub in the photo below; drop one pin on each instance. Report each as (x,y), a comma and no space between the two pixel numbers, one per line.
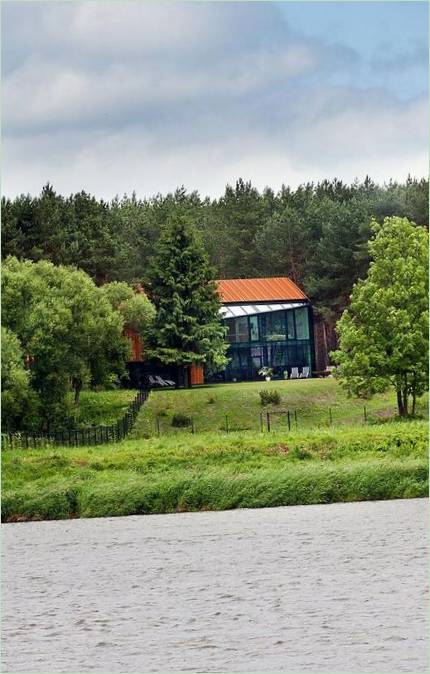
(180,420)
(270,397)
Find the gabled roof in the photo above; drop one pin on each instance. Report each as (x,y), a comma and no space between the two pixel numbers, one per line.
(276,289)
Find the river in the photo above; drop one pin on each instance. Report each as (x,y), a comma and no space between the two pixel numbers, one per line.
(325,588)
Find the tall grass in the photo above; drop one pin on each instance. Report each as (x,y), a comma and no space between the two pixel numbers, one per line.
(103,407)
(215,471)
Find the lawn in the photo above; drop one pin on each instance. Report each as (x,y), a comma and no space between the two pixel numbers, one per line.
(216,471)
(311,400)
(103,407)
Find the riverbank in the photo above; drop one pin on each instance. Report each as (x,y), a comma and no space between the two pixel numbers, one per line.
(216,471)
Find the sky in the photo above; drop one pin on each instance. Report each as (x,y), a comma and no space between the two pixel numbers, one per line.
(116,97)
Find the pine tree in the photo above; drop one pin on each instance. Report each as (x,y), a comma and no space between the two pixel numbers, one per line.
(187,327)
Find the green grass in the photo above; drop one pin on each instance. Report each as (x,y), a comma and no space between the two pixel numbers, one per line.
(97,408)
(310,399)
(215,471)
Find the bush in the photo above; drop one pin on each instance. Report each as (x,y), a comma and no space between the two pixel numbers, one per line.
(180,420)
(270,397)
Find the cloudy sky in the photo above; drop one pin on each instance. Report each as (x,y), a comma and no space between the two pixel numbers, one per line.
(147,96)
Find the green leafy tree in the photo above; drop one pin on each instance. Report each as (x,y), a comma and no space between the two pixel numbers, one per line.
(187,328)
(383,335)
(136,309)
(18,402)
(67,328)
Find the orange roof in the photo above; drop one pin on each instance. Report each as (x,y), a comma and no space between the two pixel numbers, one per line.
(258,290)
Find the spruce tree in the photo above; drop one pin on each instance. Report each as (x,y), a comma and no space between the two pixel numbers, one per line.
(187,327)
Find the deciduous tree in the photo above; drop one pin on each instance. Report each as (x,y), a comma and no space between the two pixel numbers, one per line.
(67,328)
(384,332)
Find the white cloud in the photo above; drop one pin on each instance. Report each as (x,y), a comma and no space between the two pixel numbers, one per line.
(111,97)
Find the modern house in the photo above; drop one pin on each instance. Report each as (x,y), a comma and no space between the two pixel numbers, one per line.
(269,324)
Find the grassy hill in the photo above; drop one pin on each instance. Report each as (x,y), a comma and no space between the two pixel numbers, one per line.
(103,407)
(311,399)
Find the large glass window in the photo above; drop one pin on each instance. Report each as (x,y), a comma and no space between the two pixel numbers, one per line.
(302,323)
(275,326)
(253,327)
(231,330)
(278,355)
(257,358)
(237,329)
(242,329)
(290,325)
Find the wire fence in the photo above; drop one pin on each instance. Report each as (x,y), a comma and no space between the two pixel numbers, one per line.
(77,437)
(265,422)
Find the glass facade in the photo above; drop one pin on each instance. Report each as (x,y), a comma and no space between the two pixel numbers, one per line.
(279,339)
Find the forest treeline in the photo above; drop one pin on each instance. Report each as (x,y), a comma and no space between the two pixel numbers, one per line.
(316,234)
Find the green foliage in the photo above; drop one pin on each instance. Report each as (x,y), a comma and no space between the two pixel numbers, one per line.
(180,420)
(67,329)
(102,408)
(214,472)
(136,309)
(317,234)
(187,327)
(238,216)
(384,333)
(266,372)
(270,397)
(18,402)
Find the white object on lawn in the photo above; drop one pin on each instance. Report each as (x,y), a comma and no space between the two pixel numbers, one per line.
(294,373)
(305,373)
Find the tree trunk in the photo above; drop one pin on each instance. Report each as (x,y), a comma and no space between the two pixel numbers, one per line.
(405,401)
(400,403)
(414,394)
(77,387)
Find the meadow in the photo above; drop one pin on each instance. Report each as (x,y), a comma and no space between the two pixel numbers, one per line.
(317,403)
(218,470)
